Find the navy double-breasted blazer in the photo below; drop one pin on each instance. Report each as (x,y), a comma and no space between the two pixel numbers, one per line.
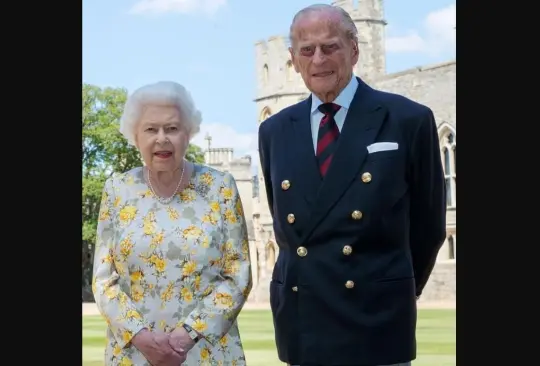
(357,247)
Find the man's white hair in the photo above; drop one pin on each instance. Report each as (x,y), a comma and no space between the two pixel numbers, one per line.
(347,24)
(160,93)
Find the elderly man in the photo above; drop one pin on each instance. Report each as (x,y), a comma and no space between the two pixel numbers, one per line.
(356,190)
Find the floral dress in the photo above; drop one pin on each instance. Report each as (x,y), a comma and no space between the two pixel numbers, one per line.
(161,265)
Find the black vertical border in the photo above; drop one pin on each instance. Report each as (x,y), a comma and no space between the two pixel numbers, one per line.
(498,108)
(41,201)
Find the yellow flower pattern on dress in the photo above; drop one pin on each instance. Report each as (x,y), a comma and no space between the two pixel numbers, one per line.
(160,266)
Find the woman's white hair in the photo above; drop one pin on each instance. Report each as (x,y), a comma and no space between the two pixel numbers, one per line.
(160,93)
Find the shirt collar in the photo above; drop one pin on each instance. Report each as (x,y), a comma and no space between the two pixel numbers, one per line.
(344,99)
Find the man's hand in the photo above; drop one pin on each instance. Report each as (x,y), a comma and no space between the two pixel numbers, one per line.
(180,340)
(156,349)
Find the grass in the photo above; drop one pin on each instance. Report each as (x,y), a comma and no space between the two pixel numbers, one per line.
(436,335)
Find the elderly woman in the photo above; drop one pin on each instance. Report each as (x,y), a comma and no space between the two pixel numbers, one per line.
(172,268)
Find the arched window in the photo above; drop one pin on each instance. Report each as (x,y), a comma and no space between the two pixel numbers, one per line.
(258,264)
(448,155)
(289,70)
(451,247)
(266,112)
(270,256)
(265,74)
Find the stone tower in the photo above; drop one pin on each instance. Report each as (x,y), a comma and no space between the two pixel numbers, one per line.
(368,15)
(278,86)
(240,168)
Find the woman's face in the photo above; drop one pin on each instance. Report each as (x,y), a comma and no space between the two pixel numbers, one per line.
(161,138)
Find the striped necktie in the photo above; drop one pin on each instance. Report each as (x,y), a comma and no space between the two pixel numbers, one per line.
(328,136)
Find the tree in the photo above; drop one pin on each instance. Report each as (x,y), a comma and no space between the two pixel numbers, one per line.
(195,154)
(105,151)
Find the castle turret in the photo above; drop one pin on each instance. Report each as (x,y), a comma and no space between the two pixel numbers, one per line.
(368,15)
(275,72)
(278,86)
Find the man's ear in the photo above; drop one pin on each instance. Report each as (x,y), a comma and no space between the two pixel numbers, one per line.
(356,53)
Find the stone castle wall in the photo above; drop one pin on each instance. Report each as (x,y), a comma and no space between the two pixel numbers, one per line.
(441,287)
(433,86)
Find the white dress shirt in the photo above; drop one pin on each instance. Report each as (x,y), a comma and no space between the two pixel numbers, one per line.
(344,100)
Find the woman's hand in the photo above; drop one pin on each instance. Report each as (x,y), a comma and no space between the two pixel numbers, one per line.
(180,340)
(156,349)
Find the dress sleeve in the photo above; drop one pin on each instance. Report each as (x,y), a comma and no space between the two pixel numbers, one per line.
(115,306)
(224,299)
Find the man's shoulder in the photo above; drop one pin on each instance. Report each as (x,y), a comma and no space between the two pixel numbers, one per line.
(281,117)
(407,113)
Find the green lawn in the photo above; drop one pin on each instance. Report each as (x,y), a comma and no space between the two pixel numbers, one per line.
(436,338)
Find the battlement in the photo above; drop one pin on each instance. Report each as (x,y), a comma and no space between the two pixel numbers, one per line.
(224,156)
(362,10)
(419,70)
(219,156)
(222,159)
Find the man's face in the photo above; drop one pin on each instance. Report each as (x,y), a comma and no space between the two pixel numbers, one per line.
(323,54)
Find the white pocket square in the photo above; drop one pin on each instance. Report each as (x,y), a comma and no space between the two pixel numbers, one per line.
(382,146)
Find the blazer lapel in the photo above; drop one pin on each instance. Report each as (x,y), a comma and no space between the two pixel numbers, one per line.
(362,125)
(307,177)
